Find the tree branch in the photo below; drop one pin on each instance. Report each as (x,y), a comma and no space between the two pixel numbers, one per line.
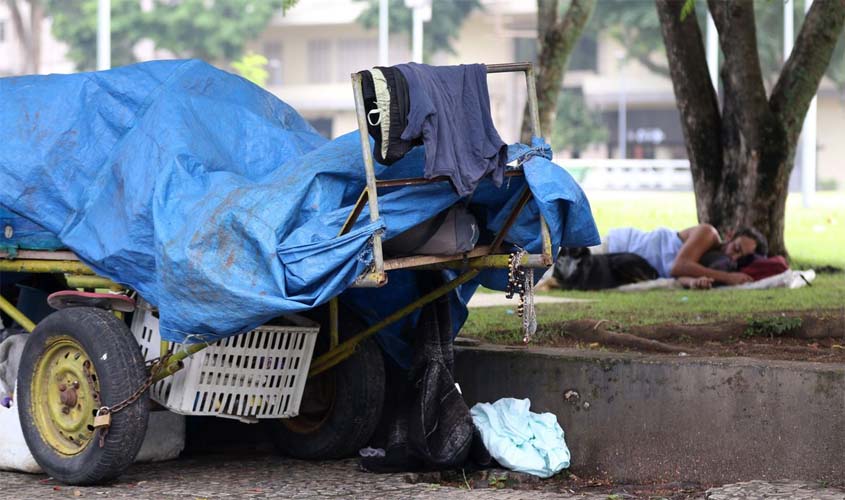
(742,73)
(558,39)
(17,20)
(651,65)
(799,80)
(696,99)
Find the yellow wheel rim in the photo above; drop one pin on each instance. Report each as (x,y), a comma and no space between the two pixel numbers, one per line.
(65,396)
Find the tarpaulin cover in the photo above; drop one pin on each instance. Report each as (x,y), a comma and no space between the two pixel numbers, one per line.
(219,204)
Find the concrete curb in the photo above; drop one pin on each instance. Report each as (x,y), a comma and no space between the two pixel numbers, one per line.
(641,418)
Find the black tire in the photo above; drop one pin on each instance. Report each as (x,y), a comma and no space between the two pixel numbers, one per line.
(118,370)
(341,407)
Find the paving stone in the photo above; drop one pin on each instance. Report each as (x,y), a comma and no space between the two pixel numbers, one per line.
(257,477)
(793,490)
(236,476)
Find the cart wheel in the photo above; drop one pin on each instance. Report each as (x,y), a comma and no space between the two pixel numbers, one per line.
(341,407)
(76,361)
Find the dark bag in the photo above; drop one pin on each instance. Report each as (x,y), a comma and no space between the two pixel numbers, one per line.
(440,428)
(451,232)
(765,267)
(432,427)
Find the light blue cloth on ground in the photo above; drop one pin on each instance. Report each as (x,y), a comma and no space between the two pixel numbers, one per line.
(521,440)
(659,247)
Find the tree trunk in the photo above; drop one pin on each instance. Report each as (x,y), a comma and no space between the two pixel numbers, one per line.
(28,34)
(36,19)
(696,100)
(741,158)
(557,39)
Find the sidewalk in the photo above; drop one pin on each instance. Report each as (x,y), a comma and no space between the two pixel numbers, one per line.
(264,476)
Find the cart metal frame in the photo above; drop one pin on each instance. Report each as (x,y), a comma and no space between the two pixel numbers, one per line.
(79,275)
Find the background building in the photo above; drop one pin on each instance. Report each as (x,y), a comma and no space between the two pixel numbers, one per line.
(314,47)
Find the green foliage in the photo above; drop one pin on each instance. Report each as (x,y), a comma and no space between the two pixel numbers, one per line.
(687,9)
(576,125)
(636,27)
(447,16)
(634,24)
(213,31)
(75,22)
(497,482)
(253,67)
(774,326)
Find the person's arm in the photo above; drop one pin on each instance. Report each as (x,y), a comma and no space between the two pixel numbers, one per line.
(697,241)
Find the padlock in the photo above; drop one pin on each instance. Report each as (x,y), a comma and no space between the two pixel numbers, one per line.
(102,419)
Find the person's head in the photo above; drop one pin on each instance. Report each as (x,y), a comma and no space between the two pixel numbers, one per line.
(745,241)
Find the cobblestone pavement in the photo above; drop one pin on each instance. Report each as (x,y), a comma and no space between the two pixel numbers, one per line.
(273,477)
(775,489)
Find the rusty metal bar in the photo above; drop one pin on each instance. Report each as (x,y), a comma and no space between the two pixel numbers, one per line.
(500,237)
(546,235)
(45,266)
(356,211)
(421,260)
(500,261)
(369,168)
(347,348)
(334,323)
(509,67)
(174,362)
(40,255)
(533,108)
(415,181)
(74,281)
(14,313)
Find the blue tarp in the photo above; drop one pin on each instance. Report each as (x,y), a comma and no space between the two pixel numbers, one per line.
(219,204)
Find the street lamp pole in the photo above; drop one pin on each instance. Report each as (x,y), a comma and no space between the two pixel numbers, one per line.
(383,33)
(421,12)
(103,34)
(622,118)
(808,142)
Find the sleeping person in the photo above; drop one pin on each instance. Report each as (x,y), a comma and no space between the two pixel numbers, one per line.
(696,256)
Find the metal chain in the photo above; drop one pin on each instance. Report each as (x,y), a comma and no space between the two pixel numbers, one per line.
(156,365)
(529,314)
(521,282)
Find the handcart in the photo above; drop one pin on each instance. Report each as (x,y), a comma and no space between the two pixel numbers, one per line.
(84,384)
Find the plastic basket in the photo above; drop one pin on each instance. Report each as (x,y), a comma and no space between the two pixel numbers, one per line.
(258,374)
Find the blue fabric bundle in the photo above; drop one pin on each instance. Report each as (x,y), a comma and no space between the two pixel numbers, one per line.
(519,439)
(219,204)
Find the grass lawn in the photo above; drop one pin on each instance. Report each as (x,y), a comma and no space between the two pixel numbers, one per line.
(814,237)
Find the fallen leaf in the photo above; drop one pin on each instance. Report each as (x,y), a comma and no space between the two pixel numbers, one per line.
(77,493)
(837,346)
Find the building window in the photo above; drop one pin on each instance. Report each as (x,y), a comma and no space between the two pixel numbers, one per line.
(355,55)
(273,53)
(319,61)
(585,56)
(525,50)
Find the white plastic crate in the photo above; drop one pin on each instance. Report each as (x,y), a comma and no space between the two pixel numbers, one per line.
(258,374)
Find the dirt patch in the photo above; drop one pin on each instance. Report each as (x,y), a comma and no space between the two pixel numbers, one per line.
(563,483)
(794,336)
